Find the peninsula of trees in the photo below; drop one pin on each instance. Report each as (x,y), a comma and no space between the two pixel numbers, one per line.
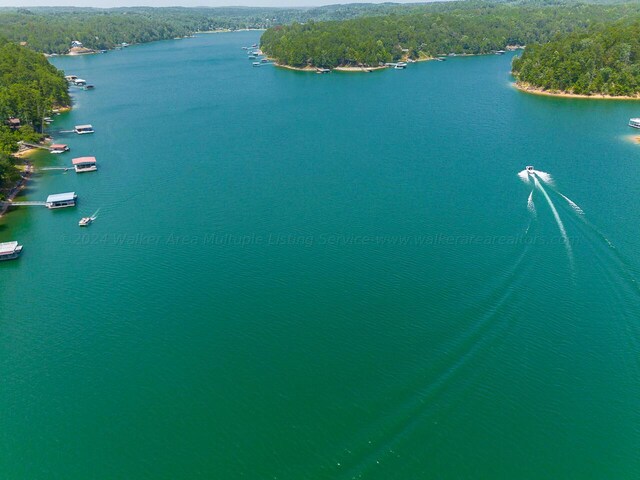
(603,61)
(430,30)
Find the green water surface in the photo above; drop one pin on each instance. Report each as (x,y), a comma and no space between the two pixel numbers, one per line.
(300,276)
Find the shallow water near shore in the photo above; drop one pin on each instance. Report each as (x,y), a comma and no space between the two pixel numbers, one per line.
(303,276)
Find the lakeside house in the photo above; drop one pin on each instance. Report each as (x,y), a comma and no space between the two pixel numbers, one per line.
(76,43)
(13,123)
(84,164)
(61,200)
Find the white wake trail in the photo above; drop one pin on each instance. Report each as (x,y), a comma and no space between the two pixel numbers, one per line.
(530,205)
(573,204)
(544,176)
(563,232)
(524,176)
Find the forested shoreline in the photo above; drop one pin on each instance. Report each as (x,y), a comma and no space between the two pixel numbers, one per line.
(602,61)
(458,27)
(30,87)
(52,29)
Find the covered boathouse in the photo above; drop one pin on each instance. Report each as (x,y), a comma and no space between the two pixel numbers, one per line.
(84,164)
(83,129)
(61,200)
(59,148)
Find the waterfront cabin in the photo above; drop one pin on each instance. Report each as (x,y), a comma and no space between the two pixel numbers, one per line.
(322,70)
(634,122)
(14,123)
(84,164)
(79,82)
(500,52)
(59,148)
(82,129)
(61,200)
(10,250)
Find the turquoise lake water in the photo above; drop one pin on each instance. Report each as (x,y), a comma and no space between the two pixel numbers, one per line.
(301,276)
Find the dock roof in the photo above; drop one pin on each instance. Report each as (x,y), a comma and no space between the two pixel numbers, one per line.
(88,125)
(81,160)
(61,197)
(58,146)
(8,247)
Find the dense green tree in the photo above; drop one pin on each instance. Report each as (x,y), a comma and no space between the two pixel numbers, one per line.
(29,88)
(8,172)
(29,85)
(602,60)
(435,29)
(52,29)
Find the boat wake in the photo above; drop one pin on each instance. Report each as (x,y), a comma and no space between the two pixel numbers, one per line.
(490,320)
(544,176)
(573,204)
(556,215)
(529,173)
(531,206)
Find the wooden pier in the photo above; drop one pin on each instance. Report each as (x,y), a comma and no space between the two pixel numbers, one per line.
(35,145)
(24,204)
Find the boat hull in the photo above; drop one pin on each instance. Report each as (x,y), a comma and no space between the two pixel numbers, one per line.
(11,256)
(86,169)
(51,206)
